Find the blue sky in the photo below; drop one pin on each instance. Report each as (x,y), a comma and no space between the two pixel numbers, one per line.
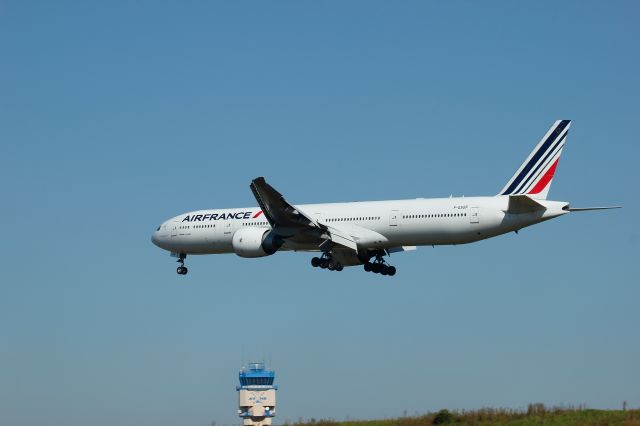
(117,115)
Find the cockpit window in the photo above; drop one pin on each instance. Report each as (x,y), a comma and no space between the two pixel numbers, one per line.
(159,228)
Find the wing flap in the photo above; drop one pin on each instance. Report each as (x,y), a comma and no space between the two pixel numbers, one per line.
(401,249)
(342,238)
(354,236)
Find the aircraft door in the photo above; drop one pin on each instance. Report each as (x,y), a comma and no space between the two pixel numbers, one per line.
(219,235)
(173,229)
(393,217)
(227,229)
(474,215)
(212,233)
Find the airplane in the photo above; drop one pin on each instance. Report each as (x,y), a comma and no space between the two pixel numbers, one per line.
(364,233)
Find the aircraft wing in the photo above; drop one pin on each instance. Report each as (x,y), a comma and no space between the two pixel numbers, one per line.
(291,223)
(276,209)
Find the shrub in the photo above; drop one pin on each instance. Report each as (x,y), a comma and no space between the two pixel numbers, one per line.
(537,409)
(443,417)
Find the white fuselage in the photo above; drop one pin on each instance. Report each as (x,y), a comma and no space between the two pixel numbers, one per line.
(380,224)
(363,233)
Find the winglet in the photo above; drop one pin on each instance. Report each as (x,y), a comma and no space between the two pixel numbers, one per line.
(255,185)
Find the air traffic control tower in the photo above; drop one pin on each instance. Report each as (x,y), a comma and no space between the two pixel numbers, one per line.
(257,395)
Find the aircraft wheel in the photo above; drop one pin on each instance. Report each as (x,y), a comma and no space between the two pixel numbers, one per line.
(376,268)
(339,267)
(182,270)
(391,271)
(367,266)
(315,262)
(323,263)
(331,266)
(384,270)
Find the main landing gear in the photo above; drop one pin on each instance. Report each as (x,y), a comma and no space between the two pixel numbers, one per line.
(380,266)
(326,261)
(182,270)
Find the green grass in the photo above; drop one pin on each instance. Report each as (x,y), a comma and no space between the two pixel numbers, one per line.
(536,414)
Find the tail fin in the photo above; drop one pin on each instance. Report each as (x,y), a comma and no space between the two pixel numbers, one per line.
(536,173)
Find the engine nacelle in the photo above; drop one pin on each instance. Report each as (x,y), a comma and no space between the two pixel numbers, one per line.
(255,242)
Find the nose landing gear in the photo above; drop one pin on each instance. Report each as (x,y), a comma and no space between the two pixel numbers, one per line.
(326,261)
(182,270)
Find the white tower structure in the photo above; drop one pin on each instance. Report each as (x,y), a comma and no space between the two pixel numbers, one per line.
(257,395)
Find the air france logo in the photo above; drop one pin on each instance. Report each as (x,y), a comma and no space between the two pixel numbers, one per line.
(220,216)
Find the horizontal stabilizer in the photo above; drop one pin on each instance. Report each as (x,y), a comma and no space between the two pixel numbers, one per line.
(523,204)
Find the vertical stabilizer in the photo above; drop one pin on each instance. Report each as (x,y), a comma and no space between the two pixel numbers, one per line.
(535,175)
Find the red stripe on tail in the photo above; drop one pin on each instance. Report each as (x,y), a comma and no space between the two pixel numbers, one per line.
(542,183)
(257,214)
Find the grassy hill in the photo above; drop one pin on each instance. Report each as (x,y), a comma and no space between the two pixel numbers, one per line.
(536,414)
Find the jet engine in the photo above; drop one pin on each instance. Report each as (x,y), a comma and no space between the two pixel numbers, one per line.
(255,242)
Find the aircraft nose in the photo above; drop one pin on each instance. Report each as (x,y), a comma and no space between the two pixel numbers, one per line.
(155,238)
